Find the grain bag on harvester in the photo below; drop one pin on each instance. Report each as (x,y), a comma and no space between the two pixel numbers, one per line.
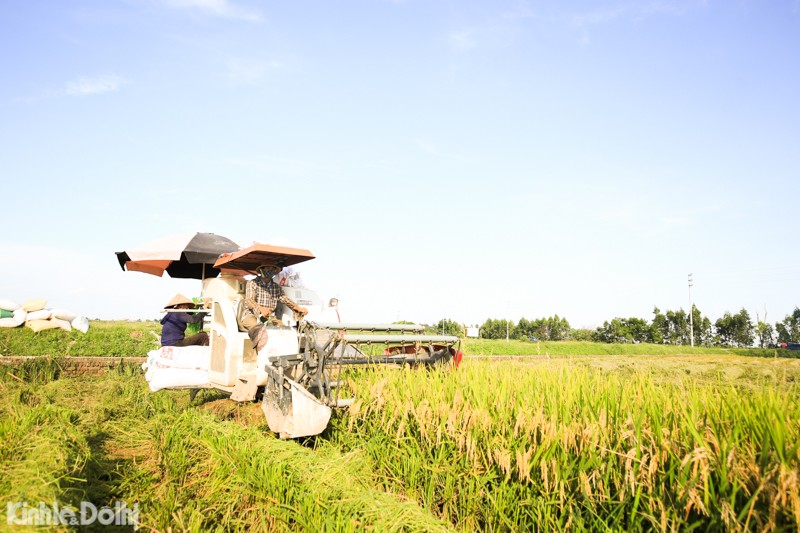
(300,367)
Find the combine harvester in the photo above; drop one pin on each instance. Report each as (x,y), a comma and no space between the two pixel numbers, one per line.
(300,368)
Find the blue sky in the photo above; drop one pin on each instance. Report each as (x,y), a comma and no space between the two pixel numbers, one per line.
(441,159)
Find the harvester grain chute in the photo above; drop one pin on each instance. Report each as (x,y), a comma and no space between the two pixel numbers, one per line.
(301,368)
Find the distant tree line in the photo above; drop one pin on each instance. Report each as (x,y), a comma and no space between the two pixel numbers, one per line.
(676,327)
(671,327)
(447,327)
(553,328)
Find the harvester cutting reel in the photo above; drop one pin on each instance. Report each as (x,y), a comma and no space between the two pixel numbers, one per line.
(302,388)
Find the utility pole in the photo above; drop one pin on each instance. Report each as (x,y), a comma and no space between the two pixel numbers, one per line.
(691,312)
(508,313)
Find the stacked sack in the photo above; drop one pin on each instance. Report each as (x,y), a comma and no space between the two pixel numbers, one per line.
(36,316)
(171,367)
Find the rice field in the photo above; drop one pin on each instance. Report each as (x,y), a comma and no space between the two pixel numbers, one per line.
(567,443)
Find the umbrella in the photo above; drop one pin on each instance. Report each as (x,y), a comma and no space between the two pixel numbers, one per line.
(188,255)
(248,259)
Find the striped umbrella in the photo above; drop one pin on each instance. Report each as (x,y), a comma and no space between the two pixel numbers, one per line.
(188,255)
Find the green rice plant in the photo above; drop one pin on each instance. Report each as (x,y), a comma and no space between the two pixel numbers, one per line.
(111,439)
(104,338)
(567,443)
(124,338)
(36,370)
(229,477)
(495,347)
(41,451)
(559,446)
(76,440)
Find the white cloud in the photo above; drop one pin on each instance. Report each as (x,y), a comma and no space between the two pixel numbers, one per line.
(248,72)
(462,39)
(635,11)
(85,86)
(629,12)
(217,8)
(519,12)
(495,32)
(599,16)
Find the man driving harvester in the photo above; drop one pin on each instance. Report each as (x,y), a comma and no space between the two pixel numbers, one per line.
(262,296)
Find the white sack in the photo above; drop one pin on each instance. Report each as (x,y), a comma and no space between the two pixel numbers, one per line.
(20,316)
(38,325)
(41,314)
(9,305)
(177,378)
(64,314)
(188,357)
(81,323)
(63,324)
(14,321)
(34,305)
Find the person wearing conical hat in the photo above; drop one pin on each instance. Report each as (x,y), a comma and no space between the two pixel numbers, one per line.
(173,330)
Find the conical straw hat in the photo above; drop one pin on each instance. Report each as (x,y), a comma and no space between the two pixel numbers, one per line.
(177,300)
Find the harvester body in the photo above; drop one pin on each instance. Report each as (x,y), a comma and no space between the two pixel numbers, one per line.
(299,371)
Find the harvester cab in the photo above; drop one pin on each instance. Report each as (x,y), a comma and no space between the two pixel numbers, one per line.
(299,371)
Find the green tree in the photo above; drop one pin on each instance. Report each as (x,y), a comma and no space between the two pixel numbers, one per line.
(706,332)
(743,334)
(559,328)
(735,330)
(765,334)
(701,326)
(524,329)
(541,329)
(581,334)
(723,330)
(448,327)
(552,328)
(623,330)
(789,329)
(609,332)
(639,329)
(497,329)
(659,329)
(678,322)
